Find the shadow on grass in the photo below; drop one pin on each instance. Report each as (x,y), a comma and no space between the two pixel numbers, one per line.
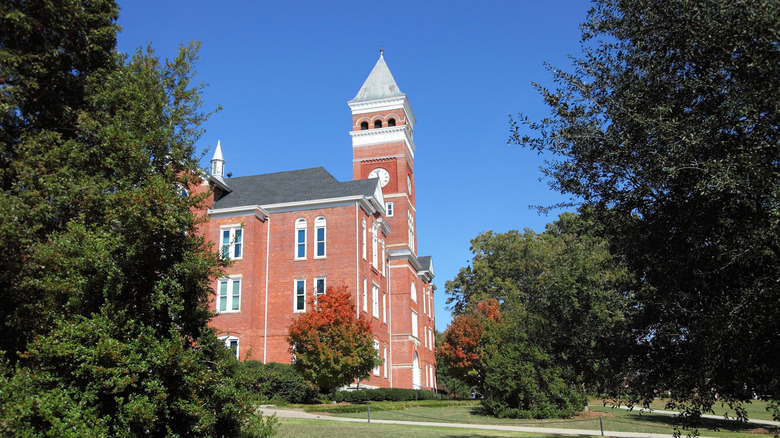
(669,421)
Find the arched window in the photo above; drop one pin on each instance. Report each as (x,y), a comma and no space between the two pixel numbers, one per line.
(319,237)
(363,126)
(300,239)
(391,122)
(378,124)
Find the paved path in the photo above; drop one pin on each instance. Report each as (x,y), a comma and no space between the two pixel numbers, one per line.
(297,413)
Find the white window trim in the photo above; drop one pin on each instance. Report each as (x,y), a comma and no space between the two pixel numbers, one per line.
(384,258)
(376,347)
(365,257)
(295,295)
(413,291)
(228,339)
(230,280)
(375,300)
(384,307)
(374,246)
(320,223)
(389,209)
(365,295)
(324,285)
(301,224)
(231,245)
(415,331)
(385,361)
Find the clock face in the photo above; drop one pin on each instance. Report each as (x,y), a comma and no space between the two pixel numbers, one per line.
(382,174)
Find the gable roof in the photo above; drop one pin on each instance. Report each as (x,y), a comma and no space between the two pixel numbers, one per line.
(292,186)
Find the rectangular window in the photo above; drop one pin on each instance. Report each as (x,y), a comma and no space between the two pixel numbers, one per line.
(383,257)
(413,291)
(385,357)
(364,239)
(389,209)
(365,295)
(300,295)
(424,300)
(319,237)
(414,325)
(231,342)
(374,247)
(375,300)
(300,239)
(384,307)
(376,347)
(319,285)
(228,294)
(232,242)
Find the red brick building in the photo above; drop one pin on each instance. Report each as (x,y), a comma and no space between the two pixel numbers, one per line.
(296,233)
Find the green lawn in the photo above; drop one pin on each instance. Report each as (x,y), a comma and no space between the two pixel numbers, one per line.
(293,427)
(613,420)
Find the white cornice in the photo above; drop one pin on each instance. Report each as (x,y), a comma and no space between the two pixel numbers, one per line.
(244,210)
(370,137)
(370,204)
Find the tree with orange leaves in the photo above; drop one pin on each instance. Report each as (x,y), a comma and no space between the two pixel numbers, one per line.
(331,345)
(464,341)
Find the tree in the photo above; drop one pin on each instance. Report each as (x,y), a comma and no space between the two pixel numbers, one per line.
(331,345)
(464,342)
(574,292)
(668,130)
(106,282)
(496,354)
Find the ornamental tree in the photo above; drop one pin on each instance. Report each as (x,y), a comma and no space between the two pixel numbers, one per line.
(332,346)
(668,128)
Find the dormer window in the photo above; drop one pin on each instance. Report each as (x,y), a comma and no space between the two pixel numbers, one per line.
(391,122)
(378,124)
(363,126)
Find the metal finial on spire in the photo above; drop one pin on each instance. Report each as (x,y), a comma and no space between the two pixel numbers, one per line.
(381,51)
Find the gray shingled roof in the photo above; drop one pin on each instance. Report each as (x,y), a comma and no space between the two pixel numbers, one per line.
(291,186)
(425,262)
(379,84)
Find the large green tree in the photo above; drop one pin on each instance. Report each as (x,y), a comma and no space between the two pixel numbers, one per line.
(573,292)
(105,282)
(668,128)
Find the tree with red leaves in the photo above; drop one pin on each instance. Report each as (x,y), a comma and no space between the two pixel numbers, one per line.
(332,347)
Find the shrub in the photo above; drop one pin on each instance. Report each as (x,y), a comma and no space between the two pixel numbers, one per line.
(384,394)
(276,382)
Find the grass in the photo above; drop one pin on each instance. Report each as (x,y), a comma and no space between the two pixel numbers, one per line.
(293,427)
(613,419)
(756,410)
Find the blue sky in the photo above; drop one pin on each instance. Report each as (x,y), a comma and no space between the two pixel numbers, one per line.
(283,73)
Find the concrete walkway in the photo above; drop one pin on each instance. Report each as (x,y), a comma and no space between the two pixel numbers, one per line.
(297,413)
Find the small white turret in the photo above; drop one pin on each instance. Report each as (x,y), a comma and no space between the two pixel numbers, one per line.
(217,162)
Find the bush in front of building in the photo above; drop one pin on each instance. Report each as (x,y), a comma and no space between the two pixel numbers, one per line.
(384,394)
(275,382)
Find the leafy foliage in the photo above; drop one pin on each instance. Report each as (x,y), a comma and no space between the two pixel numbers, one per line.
(574,292)
(105,285)
(276,382)
(669,130)
(332,346)
(384,394)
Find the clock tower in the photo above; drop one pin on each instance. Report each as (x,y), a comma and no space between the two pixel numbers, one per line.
(383,147)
